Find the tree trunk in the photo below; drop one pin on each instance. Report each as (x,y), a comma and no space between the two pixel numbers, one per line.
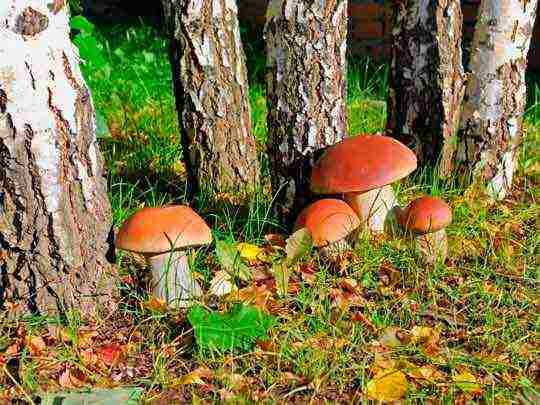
(55,219)
(212,95)
(491,124)
(306,90)
(426,79)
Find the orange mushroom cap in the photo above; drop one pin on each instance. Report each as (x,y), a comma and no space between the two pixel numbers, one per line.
(329,220)
(160,230)
(425,215)
(361,163)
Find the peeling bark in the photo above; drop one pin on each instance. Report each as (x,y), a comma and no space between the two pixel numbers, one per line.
(211,88)
(55,219)
(426,79)
(306,91)
(491,124)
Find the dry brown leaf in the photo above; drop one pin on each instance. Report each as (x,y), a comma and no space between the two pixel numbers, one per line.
(222,284)
(110,354)
(71,379)
(36,345)
(13,349)
(195,377)
(428,338)
(387,385)
(394,337)
(155,304)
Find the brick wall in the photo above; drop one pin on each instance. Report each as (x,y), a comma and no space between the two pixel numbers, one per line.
(370,26)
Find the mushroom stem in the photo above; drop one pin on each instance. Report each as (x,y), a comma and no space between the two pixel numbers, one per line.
(433,246)
(373,206)
(172,280)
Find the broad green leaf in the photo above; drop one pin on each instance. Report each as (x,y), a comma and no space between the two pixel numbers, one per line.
(82,24)
(229,258)
(239,328)
(119,396)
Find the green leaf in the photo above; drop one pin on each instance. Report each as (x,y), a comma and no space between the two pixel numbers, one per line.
(82,24)
(127,396)
(229,258)
(239,328)
(90,50)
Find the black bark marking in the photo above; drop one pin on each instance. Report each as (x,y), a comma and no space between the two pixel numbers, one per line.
(3,101)
(31,22)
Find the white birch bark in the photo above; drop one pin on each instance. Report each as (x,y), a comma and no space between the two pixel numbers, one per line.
(491,124)
(55,220)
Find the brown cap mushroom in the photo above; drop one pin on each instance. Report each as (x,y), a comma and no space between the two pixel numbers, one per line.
(160,234)
(362,167)
(329,221)
(427,217)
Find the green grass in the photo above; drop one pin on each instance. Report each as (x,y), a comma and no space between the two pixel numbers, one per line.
(482,301)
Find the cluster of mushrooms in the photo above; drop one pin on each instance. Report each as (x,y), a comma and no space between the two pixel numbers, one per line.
(359,168)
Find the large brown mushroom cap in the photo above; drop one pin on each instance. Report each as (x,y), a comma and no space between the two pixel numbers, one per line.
(425,215)
(328,220)
(361,163)
(156,230)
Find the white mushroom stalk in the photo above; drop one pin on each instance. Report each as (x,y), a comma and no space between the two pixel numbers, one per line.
(172,279)
(373,206)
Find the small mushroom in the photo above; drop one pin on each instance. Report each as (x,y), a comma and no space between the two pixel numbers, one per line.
(162,235)
(363,167)
(331,223)
(426,218)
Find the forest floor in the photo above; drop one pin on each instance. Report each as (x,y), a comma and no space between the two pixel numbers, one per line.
(374,323)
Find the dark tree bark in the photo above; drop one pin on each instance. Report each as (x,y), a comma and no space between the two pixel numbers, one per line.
(306,90)
(426,79)
(55,219)
(212,95)
(491,124)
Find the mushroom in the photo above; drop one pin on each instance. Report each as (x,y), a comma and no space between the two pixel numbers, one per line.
(426,218)
(362,167)
(162,235)
(331,222)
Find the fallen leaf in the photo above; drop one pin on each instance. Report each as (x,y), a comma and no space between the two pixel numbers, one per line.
(36,345)
(71,379)
(298,245)
(195,377)
(251,253)
(222,284)
(394,337)
(276,240)
(387,385)
(110,354)
(229,258)
(155,304)
(428,338)
(13,349)
(467,382)
(281,273)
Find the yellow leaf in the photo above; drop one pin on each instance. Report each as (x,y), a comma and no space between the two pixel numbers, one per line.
(196,376)
(387,385)
(467,382)
(155,304)
(251,253)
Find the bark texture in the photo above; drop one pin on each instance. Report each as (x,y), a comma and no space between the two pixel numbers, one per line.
(426,79)
(55,220)
(306,92)
(491,124)
(212,94)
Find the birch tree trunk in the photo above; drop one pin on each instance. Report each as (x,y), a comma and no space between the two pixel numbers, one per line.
(426,78)
(55,219)
(491,124)
(212,95)
(306,91)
